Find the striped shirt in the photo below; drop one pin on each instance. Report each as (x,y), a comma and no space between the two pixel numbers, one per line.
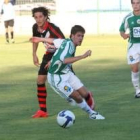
(65,50)
(132,23)
(50,31)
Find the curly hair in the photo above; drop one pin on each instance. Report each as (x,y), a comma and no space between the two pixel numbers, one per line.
(43,10)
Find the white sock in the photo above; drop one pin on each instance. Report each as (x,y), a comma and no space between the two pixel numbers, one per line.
(135,80)
(84,106)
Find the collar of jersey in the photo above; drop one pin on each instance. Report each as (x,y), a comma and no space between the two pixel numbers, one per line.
(45,26)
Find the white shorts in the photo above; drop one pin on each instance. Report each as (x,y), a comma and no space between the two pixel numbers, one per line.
(64,84)
(133,55)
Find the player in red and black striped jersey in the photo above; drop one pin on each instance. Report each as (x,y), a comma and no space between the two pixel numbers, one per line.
(43,28)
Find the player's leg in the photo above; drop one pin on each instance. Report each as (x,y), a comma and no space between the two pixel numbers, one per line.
(41,96)
(84,106)
(78,85)
(6,31)
(88,96)
(61,85)
(42,90)
(11,25)
(133,61)
(135,78)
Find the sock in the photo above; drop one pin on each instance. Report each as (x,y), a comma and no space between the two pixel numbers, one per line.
(12,35)
(42,95)
(90,101)
(7,36)
(135,80)
(84,106)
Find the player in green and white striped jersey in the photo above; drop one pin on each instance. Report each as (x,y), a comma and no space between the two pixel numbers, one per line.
(66,50)
(132,23)
(61,77)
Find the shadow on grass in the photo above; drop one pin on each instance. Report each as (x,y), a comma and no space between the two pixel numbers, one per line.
(18,96)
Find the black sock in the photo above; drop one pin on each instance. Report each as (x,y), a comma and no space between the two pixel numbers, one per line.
(12,35)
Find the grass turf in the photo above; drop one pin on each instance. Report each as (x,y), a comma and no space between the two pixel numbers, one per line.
(106,73)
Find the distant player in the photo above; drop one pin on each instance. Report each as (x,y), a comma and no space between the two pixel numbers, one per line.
(8,17)
(132,22)
(13,2)
(1,4)
(43,28)
(61,77)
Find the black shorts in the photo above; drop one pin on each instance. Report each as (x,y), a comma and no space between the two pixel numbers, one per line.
(46,58)
(9,23)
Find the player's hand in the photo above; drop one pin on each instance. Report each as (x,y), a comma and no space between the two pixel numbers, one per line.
(125,36)
(36,60)
(47,65)
(49,46)
(35,39)
(87,53)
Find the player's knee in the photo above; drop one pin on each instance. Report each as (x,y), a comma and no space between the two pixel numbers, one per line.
(135,67)
(41,79)
(77,97)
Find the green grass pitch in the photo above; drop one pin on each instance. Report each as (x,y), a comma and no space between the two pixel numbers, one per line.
(106,73)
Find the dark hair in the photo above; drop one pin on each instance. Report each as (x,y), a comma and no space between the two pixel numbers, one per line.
(76,28)
(131,1)
(43,10)
(13,2)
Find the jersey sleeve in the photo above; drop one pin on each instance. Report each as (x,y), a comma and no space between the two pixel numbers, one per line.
(61,35)
(124,25)
(58,42)
(34,31)
(57,33)
(68,51)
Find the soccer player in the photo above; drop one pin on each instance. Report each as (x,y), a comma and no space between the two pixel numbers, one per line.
(60,76)
(8,17)
(132,22)
(43,28)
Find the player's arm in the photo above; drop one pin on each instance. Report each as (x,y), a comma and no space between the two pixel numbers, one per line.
(77,58)
(48,41)
(35,57)
(35,46)
(41,39)
(123,28)
(56,42)
(124,35)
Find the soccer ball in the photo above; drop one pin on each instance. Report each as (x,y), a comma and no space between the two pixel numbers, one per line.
(65,118)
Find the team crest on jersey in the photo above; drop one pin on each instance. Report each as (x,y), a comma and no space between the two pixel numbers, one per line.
(131,58)
(67,88)
(138,21)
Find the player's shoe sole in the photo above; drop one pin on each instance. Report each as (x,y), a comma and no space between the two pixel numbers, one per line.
(96,116)
(40,114)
